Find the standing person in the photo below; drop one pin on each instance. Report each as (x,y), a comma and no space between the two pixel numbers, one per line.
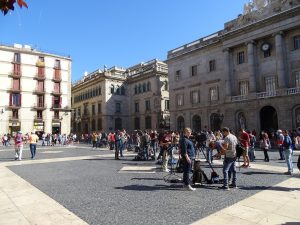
(43,139)
(188,155)
(280,139)
(33,140)
(252,147)
(117,144)
(287,144)
(265,145)
(18,146)
(209,152)
(165,143)
(229,150)
(245,142)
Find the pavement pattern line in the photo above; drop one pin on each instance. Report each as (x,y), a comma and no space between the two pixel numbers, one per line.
(276,205)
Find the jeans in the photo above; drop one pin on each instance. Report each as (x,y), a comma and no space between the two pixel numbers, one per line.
(117,149)
(165,158)
(209,155)
(32,150)
(281,152)
(18,152)
(187,167)
(289,160)
(154,146)
(229,165)
(251,154)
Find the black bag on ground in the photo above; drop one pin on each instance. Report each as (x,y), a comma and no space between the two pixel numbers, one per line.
(198,174)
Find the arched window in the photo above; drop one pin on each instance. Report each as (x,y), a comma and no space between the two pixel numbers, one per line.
(166,86)
(196,123)
(148,123)
(122,90)
(112,89)
(148,86)
(144,87)
(135,89)
(118,90)
(180,123)
(140,88)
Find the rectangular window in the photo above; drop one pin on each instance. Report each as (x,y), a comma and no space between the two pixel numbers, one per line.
(195,97)
(85,109)
(15,114)
(40,101)
(167,104)
(297,78)
(57,64)
(193,70)
(179,100)
(16,99)
(267,53)
(41,59)
(212,65)
(16,84)
(99,108)
(297,42)
(93,110)
(240,57)
(56,114)
(178,75)
(39,114)
(270,85)
(147,104)
(118,107)
(136,107)
(17,57)
(40,86)
(244,87)
(56,88)
(213,93)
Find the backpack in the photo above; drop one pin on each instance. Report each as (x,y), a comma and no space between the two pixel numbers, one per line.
(19,138)
(239,150)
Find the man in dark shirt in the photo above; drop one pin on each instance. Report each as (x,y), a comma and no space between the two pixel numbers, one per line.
(187,154)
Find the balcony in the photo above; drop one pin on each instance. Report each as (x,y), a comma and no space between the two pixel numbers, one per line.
(39,106)
(56,119)
(293,91)
(56,106)
(14,106)
(239,98)
(16,73)
(13,119)
(40,64)
(39,91)
(38,118)
(57,75)
(40,74)
(15,90)
(56,92)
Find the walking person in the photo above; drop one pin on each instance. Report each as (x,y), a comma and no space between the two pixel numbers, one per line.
(265,145)
(229,150)
(245,142)
(279,141)
(287,144)
(18,146)
(188,155)
(33,140)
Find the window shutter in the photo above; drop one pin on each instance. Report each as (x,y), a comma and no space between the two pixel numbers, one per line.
(60,101)
(20,101)
(10,99)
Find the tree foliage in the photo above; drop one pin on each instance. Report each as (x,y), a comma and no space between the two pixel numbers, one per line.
(6,5)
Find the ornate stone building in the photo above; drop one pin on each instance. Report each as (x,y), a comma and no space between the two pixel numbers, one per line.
(35,90)
(246,75)
(136,98)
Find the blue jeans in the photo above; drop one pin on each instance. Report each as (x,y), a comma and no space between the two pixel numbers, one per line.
(229,165)
(289,159)
(209,155)
(251,153)
(281,152)
(32,150)
(154,146)
(187,167)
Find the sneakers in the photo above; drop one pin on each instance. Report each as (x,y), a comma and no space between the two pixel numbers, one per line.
(288,173)
(166,170)
(189,188)
(226,188)
(233,186)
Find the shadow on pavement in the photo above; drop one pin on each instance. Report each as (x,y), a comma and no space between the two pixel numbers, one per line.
(150,188)
(274,188)
(261,173)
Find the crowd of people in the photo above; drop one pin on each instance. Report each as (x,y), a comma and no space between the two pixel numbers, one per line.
(154,145)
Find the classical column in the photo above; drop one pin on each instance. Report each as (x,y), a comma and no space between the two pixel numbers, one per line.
(280,59)
(251,67)
(227,72)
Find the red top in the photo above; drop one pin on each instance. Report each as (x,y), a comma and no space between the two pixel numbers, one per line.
(244,139)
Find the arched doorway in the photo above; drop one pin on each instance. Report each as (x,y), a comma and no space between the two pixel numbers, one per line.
(196,123)
(268,119)
(86,128)
(118,124)
(180,123)
(297,117)
(216,121)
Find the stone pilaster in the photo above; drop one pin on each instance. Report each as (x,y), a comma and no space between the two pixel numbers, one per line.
(227,72)
(280,60)
(251,66)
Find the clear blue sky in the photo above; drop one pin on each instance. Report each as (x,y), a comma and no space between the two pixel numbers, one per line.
(114,32)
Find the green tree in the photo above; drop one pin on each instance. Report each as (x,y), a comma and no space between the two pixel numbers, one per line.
(6,5)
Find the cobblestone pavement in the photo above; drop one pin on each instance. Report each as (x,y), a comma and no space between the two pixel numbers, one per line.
(78,185)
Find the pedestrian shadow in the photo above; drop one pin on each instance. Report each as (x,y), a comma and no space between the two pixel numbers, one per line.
(145,178)
(291,223)
(150,188)
(272,188)
(261,173)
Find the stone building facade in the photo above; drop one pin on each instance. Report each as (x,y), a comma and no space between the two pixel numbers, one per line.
(118,98)
(246,75)
(35,90)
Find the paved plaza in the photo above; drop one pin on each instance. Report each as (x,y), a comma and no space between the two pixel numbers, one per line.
(78,185)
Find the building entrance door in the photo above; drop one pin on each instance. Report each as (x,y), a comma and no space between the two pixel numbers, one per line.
(268,119)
